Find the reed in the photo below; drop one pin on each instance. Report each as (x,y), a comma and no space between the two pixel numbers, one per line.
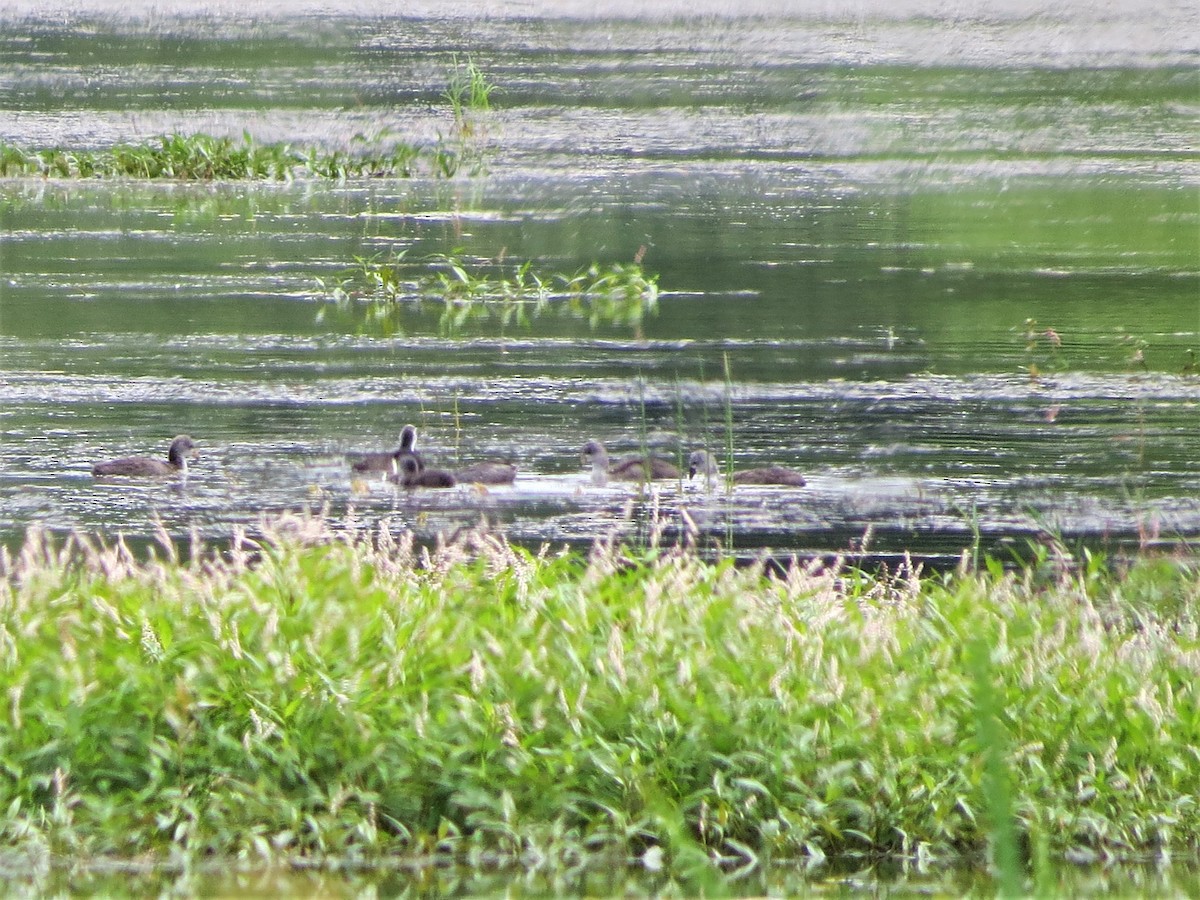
(684,441)
(469,91)
(326,693)
(728,422)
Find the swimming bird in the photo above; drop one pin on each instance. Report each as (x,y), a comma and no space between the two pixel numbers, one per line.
(182,449)
(702,462)
(491,472)
(381,461)
(637,467)
(410,473)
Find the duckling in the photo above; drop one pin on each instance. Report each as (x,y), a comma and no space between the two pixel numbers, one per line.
(381,461)
(629,468)
(182,449)
(410,473)
(701,461)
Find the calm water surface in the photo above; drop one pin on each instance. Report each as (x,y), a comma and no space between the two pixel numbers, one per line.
(950,266)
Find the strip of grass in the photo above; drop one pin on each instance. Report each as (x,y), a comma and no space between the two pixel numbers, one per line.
(350,695)
(620,294)
(203,157)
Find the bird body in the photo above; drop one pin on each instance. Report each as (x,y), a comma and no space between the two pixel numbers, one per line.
(630,468)
(410,473)
(702,462)
(382,461)
(182,449)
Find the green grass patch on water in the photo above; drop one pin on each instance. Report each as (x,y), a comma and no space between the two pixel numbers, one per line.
(377,292)
(203,157)
(350,695)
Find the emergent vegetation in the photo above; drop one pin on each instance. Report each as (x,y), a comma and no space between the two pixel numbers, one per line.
(203,157)
(469,92)
(507,293)
(347,695)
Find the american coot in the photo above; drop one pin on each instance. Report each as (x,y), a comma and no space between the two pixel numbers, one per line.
(487,473)
(629,468)
(702,462)
(381,461)
(182,449)
(410,473)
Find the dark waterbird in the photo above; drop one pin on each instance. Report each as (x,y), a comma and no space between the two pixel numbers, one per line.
(702,462)
(182,449)
(410,473)
(383,460)
(637,467)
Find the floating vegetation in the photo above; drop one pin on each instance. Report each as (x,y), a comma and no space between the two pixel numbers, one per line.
(330,694)
(203,157)
(501,292)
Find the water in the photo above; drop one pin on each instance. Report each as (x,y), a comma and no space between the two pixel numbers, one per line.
(882,222)
(606,878)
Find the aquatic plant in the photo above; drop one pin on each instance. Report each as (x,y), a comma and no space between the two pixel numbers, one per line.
(469,91)
(401,161)
(503,292)
(203,157)
(327,694)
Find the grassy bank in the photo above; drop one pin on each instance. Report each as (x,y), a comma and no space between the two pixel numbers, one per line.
(354,696)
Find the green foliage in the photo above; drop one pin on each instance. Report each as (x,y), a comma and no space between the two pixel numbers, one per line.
(345,695)
(504,293)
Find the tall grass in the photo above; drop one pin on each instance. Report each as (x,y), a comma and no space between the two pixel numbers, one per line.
(995,787)
(342,694)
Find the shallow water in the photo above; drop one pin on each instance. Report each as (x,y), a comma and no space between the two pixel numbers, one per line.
(601,877)
(882,223)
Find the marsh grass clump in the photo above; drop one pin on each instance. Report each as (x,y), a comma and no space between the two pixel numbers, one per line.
(184,157)
(330,695)
(468,92)
(501,292)
(203,157)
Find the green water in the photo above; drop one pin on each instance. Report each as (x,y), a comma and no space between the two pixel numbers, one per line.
(952,272)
